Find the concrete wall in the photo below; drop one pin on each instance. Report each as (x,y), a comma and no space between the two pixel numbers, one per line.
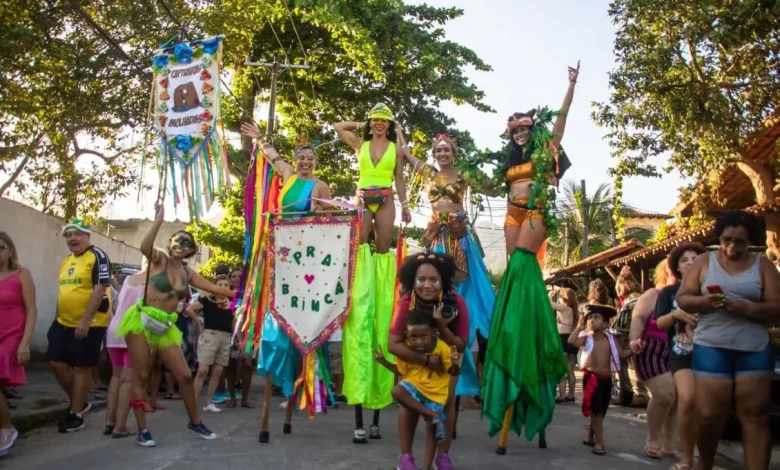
(41,249)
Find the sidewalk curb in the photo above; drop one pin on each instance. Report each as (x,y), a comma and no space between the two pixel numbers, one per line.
(40,418)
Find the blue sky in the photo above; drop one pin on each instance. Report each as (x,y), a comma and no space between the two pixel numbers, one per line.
(529,44)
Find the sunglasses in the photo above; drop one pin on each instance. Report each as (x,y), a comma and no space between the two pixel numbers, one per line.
(736,241)
(184,242)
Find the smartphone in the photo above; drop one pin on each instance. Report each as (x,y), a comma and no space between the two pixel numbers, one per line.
(714,289)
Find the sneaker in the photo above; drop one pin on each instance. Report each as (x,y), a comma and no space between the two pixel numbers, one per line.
(11,440)
(201,430)
(220,398)
(373,432)
(72,424)
(359,437)
(144,439)
(340,398)
(443,462)
(212,408)
(406,462)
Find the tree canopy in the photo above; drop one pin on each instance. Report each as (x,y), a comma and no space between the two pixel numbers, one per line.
(694,79)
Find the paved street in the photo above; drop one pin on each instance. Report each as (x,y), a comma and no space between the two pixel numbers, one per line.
(324,442)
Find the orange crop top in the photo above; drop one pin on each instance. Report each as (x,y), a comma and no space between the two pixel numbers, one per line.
(520,173)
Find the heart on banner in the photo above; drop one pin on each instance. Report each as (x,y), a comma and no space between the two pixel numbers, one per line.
(314,260)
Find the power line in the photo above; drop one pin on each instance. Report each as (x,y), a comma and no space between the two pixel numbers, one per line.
(305,55)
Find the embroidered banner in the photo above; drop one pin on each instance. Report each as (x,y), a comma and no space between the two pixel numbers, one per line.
(314,260)
(186,104)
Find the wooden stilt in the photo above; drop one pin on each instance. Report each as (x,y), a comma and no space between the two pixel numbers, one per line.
(264,434)
(288,411)
(504,435)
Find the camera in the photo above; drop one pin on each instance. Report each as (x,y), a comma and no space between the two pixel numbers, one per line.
(449,307)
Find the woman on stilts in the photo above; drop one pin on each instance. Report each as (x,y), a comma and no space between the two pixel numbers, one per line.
(449,231)
(525,359)
(150,324)
(279,360)
(380,160)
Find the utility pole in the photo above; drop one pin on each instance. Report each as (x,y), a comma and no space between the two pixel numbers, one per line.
(276,68)
(584,209)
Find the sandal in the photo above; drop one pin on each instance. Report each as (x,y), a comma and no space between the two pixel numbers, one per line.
(157,406)
(680,466)
(653,452)
(173,396)
(589,443)
(598,450)
(247,404)
(121,434)
(230,403)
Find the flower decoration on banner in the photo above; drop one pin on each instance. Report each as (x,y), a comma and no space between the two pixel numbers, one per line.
(210,46)
(183,143)
(187,105)
(183,53)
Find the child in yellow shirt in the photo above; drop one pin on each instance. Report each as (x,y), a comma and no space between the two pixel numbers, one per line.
(422,389)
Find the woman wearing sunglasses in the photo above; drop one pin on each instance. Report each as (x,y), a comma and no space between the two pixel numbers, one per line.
(151,324)
(737,295)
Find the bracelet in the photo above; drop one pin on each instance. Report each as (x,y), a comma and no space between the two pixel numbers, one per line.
(405,204)
(276,159)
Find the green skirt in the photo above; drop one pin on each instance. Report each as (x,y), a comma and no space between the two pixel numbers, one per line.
(132,324)
(525,359)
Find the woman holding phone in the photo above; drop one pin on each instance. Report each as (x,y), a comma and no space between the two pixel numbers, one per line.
(737,295)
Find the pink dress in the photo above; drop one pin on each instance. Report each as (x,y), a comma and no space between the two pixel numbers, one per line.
(13,316)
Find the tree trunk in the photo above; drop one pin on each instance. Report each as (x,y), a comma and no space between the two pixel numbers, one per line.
(15,174)
(762,182)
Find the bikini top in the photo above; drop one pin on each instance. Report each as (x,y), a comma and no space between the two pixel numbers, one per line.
(452,192)
(379,175)
(162,283)
(295,195)
(520,173)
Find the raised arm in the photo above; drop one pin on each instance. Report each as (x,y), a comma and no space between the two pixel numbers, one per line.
(147,244)
(269,152)
(418,166)
(400,187)
(200,283)
(560,123)
(346,131)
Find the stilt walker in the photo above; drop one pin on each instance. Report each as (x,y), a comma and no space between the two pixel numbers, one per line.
(290,354)
(366,383)
(525,359)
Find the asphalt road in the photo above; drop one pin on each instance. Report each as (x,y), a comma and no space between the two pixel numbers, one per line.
(323,443)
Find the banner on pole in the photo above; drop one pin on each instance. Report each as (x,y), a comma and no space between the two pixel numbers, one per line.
(314,261)
(186,97)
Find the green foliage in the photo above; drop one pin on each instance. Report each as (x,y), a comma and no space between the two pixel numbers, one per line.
(679,226)
(694,79)
(70,104)
(495,278)
(359,54)
(226,241)
(601,224)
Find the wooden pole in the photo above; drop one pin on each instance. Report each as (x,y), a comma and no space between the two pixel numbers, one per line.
(276,68)
(264,434)
(504,435)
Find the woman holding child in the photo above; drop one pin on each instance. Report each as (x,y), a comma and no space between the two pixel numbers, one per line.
(427,282)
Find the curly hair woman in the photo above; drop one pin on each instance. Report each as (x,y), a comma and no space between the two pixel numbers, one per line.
(427,281)
(524,364)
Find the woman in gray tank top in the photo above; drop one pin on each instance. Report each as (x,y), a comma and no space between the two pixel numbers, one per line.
(737,296)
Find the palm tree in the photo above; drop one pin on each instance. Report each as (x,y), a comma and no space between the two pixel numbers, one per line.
(601,227)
